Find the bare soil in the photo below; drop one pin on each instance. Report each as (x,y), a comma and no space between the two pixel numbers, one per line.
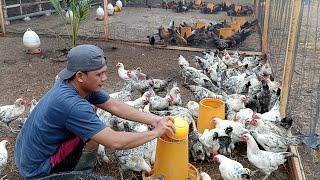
(33,75)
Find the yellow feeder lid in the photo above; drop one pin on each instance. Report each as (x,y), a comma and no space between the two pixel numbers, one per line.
(182,128)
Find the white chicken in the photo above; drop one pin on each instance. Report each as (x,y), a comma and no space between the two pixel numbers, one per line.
(110,9)
(205,176)
(266,161)
(3,153)
(140,102)
(236,101)
(129,74)
(102,154)
(9,113)
(100,13)
(33,104)
(193,107)
(31,42)
(231,169)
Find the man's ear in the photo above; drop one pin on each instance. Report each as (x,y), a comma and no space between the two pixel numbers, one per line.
(80,76)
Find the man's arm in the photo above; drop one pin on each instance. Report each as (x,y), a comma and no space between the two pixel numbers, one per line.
(127,112)
(126,140)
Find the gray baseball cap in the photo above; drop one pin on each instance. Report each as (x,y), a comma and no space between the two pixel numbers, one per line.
(84,58)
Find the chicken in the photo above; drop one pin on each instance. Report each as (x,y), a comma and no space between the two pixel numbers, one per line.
(266,161)
(236,101)
(193,107)
(273,142)
(176,110)
(142,85)
(100,13)
(262,126)
(9,113)
(129,74)
(158,103)
(231,60)
(124,94)
(209,139)
(201,92)
(231,169)
(205,176)
(139,158)
(175,96)
(237,129)
(102,154)
(3,153)
(33,103)
(160,85)
(140,102)
(182,61)
(234,84)
(195,146)
(273,114)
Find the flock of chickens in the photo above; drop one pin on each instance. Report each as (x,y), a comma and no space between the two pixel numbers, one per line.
(208,7)
(251,97)
(201,34)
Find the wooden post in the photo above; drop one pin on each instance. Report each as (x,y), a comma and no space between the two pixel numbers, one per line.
(265,32)
(295,164)
(290,52)
(3,28)
(106,19)
(257,5)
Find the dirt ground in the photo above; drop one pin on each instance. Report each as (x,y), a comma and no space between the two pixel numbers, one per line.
(131,24)
(32,76)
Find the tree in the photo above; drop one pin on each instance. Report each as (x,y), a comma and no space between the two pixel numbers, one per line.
(80,10)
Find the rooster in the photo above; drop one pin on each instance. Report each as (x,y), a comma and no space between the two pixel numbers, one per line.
(9,113)
(231,169)
(266,161)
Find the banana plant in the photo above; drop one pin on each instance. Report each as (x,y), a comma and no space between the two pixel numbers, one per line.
(80,11)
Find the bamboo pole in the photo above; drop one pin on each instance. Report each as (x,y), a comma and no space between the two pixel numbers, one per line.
(295,164)
(256,12)
(3,28)
(265,33)
(106,20)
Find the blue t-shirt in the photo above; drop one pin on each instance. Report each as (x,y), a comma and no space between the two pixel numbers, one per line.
(59,115)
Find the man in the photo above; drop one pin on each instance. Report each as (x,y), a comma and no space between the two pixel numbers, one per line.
(64,123)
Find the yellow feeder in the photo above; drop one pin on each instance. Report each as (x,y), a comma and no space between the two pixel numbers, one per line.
(208,109)
(172,155)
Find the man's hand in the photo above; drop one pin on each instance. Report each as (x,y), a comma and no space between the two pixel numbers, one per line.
(165,125)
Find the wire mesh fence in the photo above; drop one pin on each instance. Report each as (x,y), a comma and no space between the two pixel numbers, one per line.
(303,103)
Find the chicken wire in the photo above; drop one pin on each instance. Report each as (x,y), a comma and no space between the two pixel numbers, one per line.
(304,91)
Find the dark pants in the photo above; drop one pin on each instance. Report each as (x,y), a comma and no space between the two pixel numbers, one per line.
(67,156)
(70,162)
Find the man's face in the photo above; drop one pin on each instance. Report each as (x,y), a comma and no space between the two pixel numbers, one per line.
(93,81)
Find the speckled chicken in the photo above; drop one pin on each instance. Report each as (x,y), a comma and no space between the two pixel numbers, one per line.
(200,92)
(125,94)
(267,162)
(138,159)
(231,169)
(273,142)
(193,107)
(9,113)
